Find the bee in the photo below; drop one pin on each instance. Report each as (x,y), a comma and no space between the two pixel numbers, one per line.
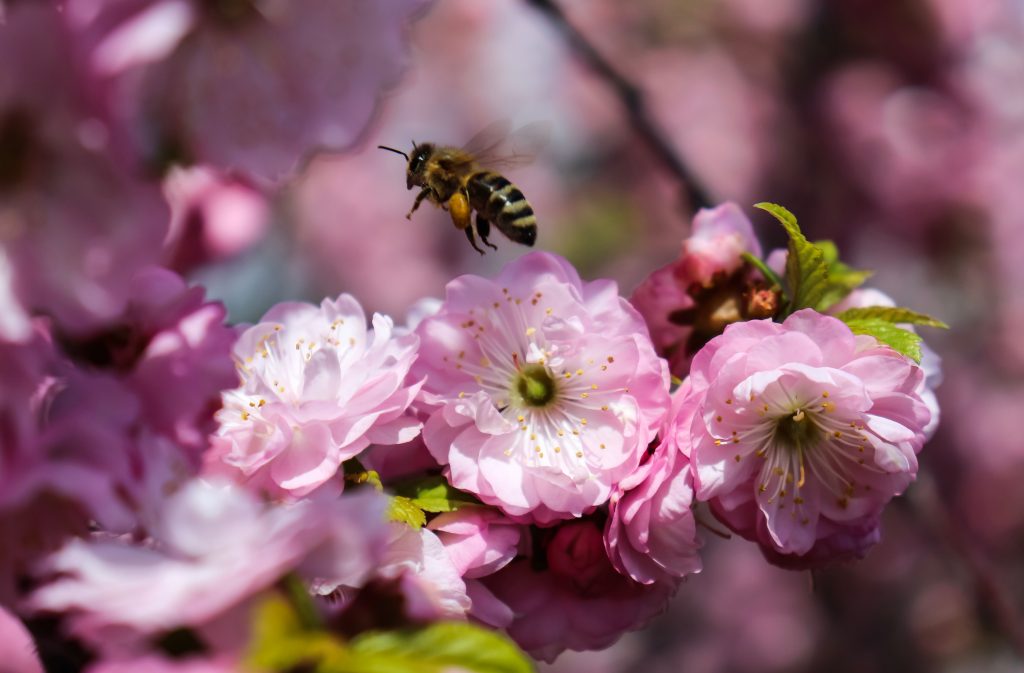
(459,180)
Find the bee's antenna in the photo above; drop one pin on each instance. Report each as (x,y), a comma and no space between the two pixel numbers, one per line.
(392,149)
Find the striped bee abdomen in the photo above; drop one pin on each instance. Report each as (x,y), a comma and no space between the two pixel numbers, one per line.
(503,205)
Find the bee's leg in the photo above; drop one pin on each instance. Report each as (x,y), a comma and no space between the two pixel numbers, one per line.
(472,239)
(483,227)
(458,206)
(424,193)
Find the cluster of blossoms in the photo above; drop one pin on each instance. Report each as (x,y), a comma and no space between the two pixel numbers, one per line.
(526,454)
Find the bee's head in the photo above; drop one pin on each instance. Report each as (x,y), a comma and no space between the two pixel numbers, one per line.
(417,164)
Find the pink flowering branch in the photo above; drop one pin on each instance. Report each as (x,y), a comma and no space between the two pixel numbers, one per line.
(632,99)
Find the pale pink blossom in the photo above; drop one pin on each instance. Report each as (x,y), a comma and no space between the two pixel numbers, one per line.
(213,548)
(428,578)
(671,299)
(317,388)
(819,427)
(254,86)
(78,223)
(579,602)
(479,541)
(651,534)
(152,663)
(545,389)
(17,650)
(213,216)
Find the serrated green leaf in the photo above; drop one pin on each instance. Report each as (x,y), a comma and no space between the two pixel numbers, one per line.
(405,510)
(437,648)
(899,339)
(280,643)
(892,314)
(435,494)
(806,270)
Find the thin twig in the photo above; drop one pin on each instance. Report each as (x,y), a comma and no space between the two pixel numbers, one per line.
(633,100)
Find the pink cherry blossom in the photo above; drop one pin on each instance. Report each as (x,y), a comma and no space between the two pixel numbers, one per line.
(668,298)
(579,602)
(172,350)
(430,581)
(479,541)
(651,533)
(214,547)
(254,86)
(17,650)
(213,216)
(819,427)
(317,388)
(546,390)
(78,221)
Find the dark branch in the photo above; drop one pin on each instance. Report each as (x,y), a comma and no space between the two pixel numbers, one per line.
(633,100)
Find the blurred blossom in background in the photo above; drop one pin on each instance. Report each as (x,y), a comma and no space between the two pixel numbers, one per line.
(893,127)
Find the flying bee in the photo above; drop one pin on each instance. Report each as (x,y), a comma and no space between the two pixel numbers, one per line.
(459,180)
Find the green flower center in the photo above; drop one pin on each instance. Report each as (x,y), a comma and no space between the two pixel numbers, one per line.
(797,431)
(533,386)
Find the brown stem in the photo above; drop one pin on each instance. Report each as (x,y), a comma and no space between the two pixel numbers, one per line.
(633,100)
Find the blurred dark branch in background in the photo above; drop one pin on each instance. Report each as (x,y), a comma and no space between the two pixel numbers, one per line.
(633,100)
(990,593)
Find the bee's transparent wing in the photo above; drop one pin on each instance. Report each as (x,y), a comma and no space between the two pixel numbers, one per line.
(498,147)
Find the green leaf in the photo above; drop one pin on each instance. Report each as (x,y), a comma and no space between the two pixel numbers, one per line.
(435,494)
(842,279)
(806,269)
(901,340)
(437,648)
(892,314)
(765,270)
(280,643)
(405,510)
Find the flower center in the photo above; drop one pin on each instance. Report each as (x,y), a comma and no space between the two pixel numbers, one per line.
(797,431)
(533,386)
